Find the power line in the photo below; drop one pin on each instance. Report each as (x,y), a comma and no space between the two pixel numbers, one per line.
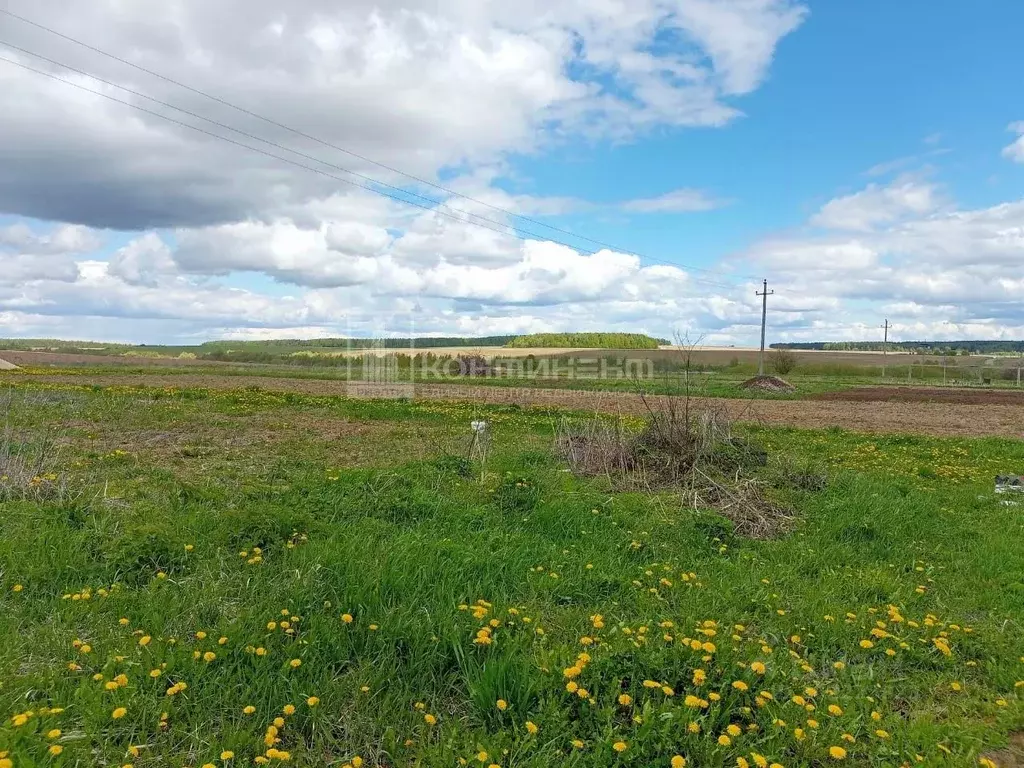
(356,155)
(308,167)
(432,201)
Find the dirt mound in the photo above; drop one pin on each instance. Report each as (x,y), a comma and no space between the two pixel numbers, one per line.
(768,384)
(5,366)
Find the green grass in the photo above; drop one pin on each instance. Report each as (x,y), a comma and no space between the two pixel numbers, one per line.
(369,509)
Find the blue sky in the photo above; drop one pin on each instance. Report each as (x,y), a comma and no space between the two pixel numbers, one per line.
(865,157)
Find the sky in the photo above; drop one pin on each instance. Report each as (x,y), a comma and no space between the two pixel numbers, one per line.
(478,167)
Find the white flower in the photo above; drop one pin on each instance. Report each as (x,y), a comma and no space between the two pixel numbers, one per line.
(478,426)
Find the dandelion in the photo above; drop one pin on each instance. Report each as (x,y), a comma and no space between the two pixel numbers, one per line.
(577,744)
(757,668)
(531,727)
(734,730)
(835,710)
(227,754)
(209,656)
(17,588)
(289,709)
(739,685)
(55,749)
(501,704)
(295,663)
(429,719)
(118,713)
(312,701)
(866,644)
(54,734)
(724,740)
(620,746)
(347,618)
(625,699)
(145,640)
(837,753)
(482,756)
(248,710)
(882,734)
(678,761)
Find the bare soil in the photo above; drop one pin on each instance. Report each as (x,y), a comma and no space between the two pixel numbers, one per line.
(970,418)
(957,395)
(68,359)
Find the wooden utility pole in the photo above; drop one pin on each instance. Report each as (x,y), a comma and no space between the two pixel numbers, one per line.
(764,294)
(885,345)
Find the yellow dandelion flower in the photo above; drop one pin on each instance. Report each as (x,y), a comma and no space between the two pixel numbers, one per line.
(734,730)
(429,719)
(295,663)
(227,754)
(248,710)
(620,746)
(625,699)
(118,713)
(837,753)
(55,749)
(347,618)
(678,761)
(739,685)
(312,701)
(724,740)
(501,704)
(531,727)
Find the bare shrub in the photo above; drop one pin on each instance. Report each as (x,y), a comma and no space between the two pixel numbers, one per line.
(686,444)
(474,365)
(783,361)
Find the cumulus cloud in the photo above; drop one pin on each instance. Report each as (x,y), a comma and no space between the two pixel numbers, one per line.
(416,84)
(875,205)
(896,251)
(1015,151)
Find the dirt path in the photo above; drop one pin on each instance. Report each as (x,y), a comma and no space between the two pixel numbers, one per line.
(930,418)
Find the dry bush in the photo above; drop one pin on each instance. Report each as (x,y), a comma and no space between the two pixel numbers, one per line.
(687,444)
(783,361)
(473,365)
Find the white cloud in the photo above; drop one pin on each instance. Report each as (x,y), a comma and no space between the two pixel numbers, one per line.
(1015,151)
(679,201)
(875,205)
(419,85)
(63,239)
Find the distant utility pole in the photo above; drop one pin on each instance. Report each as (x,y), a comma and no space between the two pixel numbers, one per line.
(764,294)
(885,345)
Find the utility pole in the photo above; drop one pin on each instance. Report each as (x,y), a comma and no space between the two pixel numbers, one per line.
(764,294)
(885,344)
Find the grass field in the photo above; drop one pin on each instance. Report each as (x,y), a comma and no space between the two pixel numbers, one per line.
(223,578)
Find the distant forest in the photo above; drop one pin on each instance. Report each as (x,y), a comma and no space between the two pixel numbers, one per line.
(586,340)
(916,347)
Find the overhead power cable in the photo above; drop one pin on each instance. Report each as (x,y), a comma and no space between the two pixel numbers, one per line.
(297,164)
(310,137)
